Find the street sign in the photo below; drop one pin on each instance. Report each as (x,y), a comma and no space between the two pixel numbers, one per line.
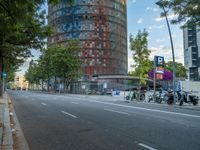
(159,70)
(4,75)
(159,61)
(159,76)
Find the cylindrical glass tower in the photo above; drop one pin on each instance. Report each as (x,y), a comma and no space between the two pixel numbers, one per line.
(101,27)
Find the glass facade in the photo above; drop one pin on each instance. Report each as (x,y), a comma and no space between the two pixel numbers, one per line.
(101,27)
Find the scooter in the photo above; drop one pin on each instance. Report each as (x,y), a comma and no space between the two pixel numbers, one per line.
(170,97)
(189,99)
(158,98)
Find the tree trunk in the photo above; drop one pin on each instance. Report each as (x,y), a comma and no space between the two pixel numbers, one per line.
(64,80)
(55,84)
(42,84)
(1,71)
(48,83)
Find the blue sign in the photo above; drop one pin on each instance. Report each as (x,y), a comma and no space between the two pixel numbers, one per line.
(117,93)
(159,61)
(4,75)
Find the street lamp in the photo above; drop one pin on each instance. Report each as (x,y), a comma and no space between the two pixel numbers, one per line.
(160,3)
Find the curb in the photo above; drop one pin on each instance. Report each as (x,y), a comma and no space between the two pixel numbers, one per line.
(7,138)
(19,141)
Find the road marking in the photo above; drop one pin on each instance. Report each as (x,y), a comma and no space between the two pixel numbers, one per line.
(69,114)
(120,112)
(44,104)
(74,102)
(147,109)
(32,99)
(146,146)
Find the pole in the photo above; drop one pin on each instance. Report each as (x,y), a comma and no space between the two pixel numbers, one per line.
(172,46)
(154,79)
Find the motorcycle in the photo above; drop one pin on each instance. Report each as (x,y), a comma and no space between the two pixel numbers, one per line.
(189,98)
(159,97)
(169,97)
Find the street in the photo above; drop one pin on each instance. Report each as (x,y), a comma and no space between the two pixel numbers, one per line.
(77,122)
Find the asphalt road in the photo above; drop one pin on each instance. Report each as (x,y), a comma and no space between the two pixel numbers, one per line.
(75,122)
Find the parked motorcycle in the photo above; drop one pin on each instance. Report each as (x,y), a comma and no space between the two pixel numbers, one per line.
(159,97)
(169,97)
(188,98)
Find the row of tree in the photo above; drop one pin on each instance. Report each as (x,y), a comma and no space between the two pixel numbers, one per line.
(56,62)
(22,27)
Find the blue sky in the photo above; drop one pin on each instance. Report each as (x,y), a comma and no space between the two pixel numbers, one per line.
(144,14)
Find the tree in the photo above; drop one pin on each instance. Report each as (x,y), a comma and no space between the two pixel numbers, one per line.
(57,61)
(22,27)
(181,71)
(66,62)
(139,46)
(186,10)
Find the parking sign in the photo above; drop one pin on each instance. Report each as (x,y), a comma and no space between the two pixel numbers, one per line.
(159,61)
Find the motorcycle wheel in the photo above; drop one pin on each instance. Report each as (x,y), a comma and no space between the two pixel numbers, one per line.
(181,103)
(169,102)
(195,103)
(127,97)
(159,100)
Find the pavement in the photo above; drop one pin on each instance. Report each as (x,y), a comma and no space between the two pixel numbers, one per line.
(6,137)
(72,122)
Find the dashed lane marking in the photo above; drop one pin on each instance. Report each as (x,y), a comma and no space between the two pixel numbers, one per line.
(119,112)
(66,113)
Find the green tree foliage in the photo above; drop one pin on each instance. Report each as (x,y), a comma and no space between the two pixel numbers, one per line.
(186,10)
(22,27)
(181,71)
(57,61)
(139,46)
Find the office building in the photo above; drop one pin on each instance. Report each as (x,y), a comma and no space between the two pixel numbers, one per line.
(191,37)
(101,28)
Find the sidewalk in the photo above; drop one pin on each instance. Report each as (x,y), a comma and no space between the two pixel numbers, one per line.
(6,139)
(120,98)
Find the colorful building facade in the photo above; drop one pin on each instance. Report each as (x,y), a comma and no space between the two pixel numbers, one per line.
(101,28)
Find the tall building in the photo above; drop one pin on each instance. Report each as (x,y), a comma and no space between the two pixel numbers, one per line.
(191,37)
(100,26)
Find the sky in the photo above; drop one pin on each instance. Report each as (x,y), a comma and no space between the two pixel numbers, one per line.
(145,14)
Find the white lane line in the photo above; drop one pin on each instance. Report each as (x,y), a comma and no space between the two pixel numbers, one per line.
(74,102)
(146,146)
(32,99)
(119,112)
(147,109)
(44,104)
(69,114)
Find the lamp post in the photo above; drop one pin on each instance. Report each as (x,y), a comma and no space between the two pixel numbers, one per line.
(172,47)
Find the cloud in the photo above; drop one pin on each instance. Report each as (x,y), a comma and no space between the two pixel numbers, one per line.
(140,21)
(148,8)
(160,40)
(170,17)
(173,36)
(155,9)
(133,1)
(161,26)
(166,51)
